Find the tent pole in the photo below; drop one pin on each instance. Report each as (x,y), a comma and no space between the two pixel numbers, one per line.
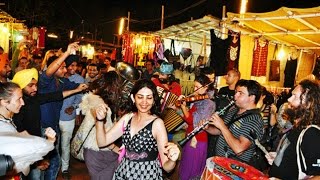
(162,16)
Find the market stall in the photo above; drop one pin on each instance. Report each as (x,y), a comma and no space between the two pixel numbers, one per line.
(11,30)
(277,37)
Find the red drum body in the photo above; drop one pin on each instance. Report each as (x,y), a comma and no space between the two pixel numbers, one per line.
(230,169)
(171,119)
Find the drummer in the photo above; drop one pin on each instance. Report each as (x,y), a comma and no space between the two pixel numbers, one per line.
(235,140)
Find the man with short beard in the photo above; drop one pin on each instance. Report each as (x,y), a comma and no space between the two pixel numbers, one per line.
(28,119)
(53,80)
(5,70)
(166,79)
(304,108)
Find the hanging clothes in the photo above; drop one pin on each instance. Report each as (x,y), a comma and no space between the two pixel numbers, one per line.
(290,72)
(218,55)
(260,55)
(233,52)
(274,73)
(41,37)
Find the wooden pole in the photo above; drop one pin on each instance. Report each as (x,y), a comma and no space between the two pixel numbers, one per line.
(205,49)
(128,29)
(162,17)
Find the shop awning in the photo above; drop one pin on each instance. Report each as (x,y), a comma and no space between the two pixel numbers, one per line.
(294,27)
(191,31)
(299,28)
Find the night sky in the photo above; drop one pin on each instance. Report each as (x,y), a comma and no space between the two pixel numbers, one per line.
(99,19)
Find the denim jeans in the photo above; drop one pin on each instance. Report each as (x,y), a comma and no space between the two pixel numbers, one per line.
(35,174)
(54,158)
(66,128)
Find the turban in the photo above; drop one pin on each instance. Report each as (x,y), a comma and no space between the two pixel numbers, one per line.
(24,77)
(70,59)
(3,60)
(166,68)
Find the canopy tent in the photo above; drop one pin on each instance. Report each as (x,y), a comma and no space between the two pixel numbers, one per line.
(10,28)
(192,31)
(291,26)
(297,29)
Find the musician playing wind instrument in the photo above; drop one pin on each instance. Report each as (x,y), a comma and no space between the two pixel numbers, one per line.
(234,130)
(194,154)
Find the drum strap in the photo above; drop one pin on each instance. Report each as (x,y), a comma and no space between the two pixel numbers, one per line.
(250,112)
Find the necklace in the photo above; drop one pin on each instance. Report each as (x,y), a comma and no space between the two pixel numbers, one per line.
(8,120)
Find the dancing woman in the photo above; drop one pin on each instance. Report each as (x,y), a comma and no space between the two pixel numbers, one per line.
(143,135)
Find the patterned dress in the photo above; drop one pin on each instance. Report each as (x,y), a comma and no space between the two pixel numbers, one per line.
(141,159)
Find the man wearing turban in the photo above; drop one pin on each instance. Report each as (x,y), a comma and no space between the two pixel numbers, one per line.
(5,69)
(28,119)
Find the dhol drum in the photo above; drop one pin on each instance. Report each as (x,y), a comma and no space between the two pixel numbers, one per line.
(230,169)
(171,119)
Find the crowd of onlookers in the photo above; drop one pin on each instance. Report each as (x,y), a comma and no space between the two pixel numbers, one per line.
(48,96)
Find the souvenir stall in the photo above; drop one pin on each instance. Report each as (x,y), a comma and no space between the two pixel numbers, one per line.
(189,45)
(11,31)
(137,47)
(278,49)
(284,43)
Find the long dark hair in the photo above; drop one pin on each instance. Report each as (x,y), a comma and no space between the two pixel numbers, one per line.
(203,80)
(309,109)
(107,87)
(150,85)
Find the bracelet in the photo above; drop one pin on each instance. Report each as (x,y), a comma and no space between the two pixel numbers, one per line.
(100,120)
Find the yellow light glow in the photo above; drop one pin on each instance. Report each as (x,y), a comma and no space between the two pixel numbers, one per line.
(281,53)
(19,38)
(52,36)
(71,35)
(138,41)
(243,7)
(5,30)
(88,51)
(121,24)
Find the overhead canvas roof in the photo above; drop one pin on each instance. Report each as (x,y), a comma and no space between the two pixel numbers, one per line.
(290,26)
(16,24)
(294,27)
(192,31)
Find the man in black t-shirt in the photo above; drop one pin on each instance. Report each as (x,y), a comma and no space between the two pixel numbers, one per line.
(226,94)
(304,107)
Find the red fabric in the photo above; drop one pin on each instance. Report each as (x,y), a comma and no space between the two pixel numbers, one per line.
(260,55)
(113,54)
(128,49)
(202,136)
(42,37)
(174,88)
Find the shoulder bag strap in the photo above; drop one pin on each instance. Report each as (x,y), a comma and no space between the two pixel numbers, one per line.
(299,152)
(85,139)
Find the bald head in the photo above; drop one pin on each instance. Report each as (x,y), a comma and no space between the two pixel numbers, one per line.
(232,77)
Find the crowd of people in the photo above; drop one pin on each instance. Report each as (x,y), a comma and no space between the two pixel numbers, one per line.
(125,136)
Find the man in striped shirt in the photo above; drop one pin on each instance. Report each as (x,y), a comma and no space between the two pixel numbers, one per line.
(235,140)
